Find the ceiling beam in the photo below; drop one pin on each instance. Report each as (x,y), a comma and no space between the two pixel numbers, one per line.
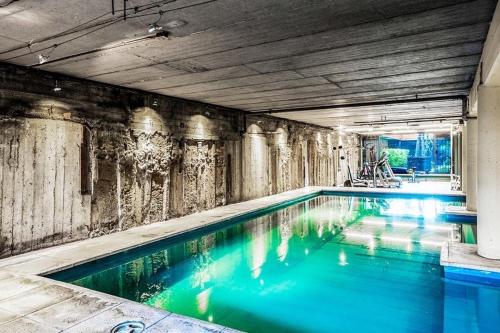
(364,104)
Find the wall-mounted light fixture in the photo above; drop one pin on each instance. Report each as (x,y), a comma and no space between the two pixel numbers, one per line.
(56,87)
(154,28)
(43,58)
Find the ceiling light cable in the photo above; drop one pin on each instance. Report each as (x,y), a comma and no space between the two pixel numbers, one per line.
(159,34)
(56,45)
(154,27)
(6,3)
(43,58)
(85,25)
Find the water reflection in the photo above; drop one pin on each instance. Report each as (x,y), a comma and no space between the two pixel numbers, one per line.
(470,308)
(371,257)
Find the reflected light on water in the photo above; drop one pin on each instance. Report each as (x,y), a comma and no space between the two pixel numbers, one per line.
(409,247)
(320,230)
(342,258)
(439,227)
(410,225)
(201,276)
(393,239)
(432,243)
(202,300)
(429,209)
(350,234)
(259,251)
(371,245)
(286,234)
(417,208)
(363,236)
(382,223)
(282,250)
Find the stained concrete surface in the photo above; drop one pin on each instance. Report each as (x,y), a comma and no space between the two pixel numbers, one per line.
(95,159)
(262,54)
(465,256)
(50,306)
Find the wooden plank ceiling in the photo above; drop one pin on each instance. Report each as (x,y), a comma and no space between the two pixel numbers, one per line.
(263,54)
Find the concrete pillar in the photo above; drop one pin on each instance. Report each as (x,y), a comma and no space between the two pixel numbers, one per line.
(464,159)
(488,172)
(472,164)
(456,155)
(460,162)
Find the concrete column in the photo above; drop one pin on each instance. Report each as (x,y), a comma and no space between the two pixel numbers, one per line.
(460,162)
(472,164)
(456,156)
(488,172)
(464,159)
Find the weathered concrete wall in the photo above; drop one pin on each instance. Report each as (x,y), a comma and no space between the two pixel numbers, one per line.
(280,155)
(41,203)
(95,159)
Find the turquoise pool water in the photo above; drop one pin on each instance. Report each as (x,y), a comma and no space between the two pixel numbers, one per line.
(329,264)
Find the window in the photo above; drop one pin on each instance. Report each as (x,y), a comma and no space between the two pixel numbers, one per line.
(428,153)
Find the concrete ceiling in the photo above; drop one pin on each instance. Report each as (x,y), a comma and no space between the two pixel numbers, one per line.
(263,54)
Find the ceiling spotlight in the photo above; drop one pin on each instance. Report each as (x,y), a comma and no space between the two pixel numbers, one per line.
(154,28)
(42,58)
(57,88)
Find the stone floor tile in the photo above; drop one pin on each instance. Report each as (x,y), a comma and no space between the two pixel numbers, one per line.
(105,321)
(6,275)
(16,285)
(30,301)
(25,325)
(230,330)
(39,265)
(181,324)
(465,256)
(6,317)
(72,311)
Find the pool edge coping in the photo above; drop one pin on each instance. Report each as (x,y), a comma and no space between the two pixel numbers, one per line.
(461,262)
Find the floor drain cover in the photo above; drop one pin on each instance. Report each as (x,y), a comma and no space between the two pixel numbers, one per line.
(129,327)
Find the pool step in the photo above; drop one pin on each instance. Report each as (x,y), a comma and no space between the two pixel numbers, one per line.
(459,214)
(461,262)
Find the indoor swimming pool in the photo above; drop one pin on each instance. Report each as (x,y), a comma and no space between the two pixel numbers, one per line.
(332,263)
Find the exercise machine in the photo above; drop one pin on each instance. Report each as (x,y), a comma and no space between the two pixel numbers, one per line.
(375,173)
(383,176)
(351,181)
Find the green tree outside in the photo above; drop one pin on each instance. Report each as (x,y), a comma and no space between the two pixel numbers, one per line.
(397,157)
